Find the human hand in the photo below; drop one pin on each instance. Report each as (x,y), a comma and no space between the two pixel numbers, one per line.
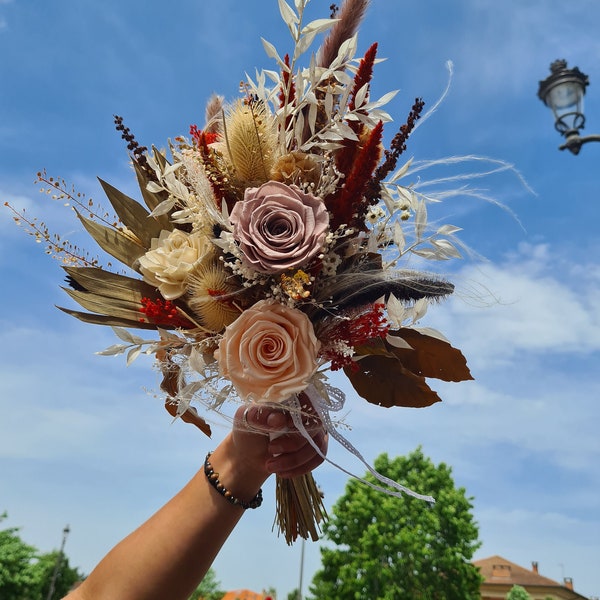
(267,440)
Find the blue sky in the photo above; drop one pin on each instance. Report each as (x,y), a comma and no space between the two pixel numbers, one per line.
(84,441)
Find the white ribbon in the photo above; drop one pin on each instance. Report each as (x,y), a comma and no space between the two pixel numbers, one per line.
(335,402)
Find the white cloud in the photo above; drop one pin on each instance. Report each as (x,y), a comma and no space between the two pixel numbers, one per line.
(536,302)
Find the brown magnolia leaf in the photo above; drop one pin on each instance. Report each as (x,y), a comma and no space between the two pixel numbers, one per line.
(132,214)
(170,385)
(386,382)
(113,241)
(189,416)
(430,356)
(373,346)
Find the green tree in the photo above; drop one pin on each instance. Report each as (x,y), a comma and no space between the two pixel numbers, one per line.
(17,581)
(43,571)
(388,548)
(294,594)
(209,588)
(518,593)
(25,574)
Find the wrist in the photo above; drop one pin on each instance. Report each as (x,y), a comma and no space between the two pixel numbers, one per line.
(236,474)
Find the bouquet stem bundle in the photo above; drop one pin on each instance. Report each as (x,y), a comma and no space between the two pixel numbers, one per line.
(299,508)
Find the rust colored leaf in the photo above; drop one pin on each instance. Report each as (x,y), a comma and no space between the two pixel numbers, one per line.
(431,357)
(170,385)
(386,382)
(189,416)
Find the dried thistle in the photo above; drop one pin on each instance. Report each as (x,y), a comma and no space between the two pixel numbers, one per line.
(250,142)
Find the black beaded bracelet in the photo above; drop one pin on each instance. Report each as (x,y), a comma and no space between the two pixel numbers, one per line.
(213,479)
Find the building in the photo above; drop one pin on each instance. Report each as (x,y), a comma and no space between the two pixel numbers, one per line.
(244,595)
(500,575)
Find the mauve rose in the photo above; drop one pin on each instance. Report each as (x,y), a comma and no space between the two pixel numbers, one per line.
(279,227)
(269,352)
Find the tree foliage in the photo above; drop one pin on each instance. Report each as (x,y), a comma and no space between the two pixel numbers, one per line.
(209,588)
(388,548)
(27,574)
(517,593)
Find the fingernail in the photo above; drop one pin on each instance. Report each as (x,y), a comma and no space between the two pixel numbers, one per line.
(275,419)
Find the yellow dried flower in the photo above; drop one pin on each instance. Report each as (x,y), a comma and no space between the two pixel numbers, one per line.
(294,286)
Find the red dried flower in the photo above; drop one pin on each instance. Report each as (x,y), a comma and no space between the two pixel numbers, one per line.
(163,312)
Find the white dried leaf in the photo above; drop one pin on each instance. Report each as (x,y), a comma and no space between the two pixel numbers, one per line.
(396,312)
(318,26)
(288,14)
(380,115)
(271,51)
(127,336)
(172,168)
(133,354)
(154,187)
(398,342)
(448,229)
(447,248)
(420,219)
(399,238)
(361,95)
(381,101)
(434,333)
(401,172)
(331,135)
(427,253)
(196,361)
(113,350)
(164,207)
(312,117)
(304,43)
(345,79)
(345,53)
(420,309)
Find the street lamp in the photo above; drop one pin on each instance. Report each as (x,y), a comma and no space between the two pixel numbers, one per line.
(563,91)
(57,565)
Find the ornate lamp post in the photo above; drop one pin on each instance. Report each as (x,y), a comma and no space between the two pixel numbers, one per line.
(563,91)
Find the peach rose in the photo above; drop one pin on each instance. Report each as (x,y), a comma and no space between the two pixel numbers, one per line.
(279,227)
(269,352)
(171,258)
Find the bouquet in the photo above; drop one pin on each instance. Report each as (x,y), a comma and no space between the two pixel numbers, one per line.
(271,247)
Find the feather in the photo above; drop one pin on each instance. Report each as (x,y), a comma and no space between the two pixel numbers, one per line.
(361,281)
(350,15)
(213,114)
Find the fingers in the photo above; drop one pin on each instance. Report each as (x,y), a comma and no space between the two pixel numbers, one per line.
(293,455)
(288,453)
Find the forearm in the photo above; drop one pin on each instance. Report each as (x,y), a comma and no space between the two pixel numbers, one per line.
(171,552)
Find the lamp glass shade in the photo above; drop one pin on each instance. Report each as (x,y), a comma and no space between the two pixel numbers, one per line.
(566,101)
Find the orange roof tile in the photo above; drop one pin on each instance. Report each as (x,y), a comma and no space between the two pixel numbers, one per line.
(496,569)
(242,595)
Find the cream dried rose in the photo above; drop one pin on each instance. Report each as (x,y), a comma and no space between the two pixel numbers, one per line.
(269,352)
(279,227)
(171,258)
